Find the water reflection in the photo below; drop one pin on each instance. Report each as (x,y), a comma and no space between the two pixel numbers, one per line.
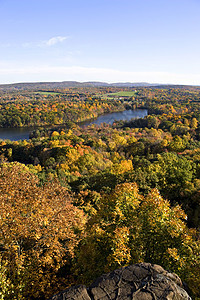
(16,134)
(125,115)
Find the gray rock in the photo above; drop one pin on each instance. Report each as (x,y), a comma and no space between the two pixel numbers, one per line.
(142,281)
(78,292)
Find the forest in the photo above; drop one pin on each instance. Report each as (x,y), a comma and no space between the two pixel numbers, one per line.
(77,201)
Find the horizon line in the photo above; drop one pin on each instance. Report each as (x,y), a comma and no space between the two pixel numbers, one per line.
(99,82)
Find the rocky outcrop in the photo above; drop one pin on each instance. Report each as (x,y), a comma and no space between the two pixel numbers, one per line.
(142,281)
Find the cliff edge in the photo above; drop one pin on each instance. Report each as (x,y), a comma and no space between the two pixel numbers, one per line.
(142,281)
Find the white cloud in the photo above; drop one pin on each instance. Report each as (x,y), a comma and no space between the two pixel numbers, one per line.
(46,43)
(55,40)
(51,73)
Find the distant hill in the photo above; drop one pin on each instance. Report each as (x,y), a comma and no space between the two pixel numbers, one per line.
(67,84)
(118,84)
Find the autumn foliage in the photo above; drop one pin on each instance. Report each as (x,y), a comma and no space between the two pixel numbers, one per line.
(129,228)
(76,202)
(39,229)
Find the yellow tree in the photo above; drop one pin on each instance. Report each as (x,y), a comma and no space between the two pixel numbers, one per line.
(128,228)
(106,245)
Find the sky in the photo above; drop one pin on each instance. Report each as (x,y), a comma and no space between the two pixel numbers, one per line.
(155,41)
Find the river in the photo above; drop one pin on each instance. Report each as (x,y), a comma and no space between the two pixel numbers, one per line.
(16,134)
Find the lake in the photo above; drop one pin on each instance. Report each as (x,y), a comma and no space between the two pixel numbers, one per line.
(16,134)
(125,115)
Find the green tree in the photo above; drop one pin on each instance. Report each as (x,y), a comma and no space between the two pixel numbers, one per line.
(174,174)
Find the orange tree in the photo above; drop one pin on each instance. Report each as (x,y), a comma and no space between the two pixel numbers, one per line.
(39,228)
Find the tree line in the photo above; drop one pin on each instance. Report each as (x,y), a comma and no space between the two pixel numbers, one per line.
(78,202)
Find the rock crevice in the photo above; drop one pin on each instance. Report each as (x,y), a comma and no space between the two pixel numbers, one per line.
(142,281)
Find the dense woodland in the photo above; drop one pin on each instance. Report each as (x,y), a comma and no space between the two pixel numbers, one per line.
(53,108)
(77,202)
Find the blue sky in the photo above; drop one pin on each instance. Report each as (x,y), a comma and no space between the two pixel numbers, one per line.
(154,41)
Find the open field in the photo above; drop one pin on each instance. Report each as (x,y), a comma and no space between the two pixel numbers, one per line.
(121,94)
(47,93)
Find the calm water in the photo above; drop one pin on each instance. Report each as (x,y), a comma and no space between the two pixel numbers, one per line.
(15,134)
(110,118)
